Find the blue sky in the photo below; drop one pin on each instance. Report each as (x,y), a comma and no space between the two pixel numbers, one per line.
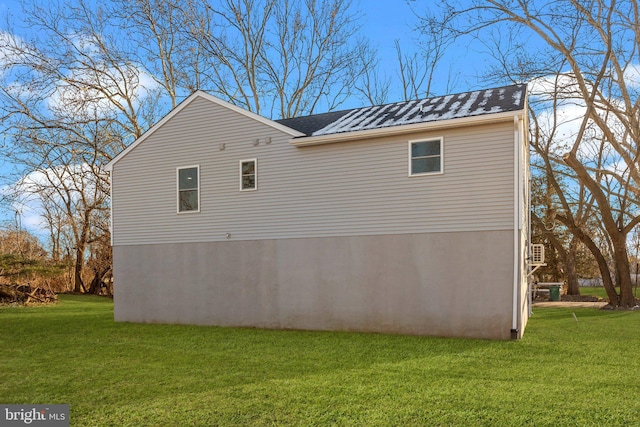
(383,22)
(388,20)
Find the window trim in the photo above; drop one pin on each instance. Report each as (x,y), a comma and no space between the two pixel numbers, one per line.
(255,173)
(415,141)
(178,169)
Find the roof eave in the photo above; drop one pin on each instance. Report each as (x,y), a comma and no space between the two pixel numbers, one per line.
(404,129)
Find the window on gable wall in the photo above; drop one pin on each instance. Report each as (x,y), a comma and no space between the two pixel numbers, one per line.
(189,189)
(248,175)
(425,157)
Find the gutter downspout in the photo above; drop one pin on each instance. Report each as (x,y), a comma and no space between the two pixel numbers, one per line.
(515,332)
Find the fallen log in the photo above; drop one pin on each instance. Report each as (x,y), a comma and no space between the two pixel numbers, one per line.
(24,294)
(32,295)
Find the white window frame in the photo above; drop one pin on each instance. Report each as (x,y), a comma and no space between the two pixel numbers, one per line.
(255,172)
(415,141)
(178,169)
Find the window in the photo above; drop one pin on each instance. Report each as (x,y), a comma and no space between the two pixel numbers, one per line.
(248,175)
(189,189)
(425,157)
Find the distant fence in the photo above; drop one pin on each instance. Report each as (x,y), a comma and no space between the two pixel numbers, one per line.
(596,281)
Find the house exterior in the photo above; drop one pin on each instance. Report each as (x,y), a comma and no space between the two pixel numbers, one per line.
(407,218)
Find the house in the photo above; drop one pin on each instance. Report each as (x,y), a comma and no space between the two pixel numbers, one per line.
(407,218)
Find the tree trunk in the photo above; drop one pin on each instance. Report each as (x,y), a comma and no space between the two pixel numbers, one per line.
(605,273)
(78,284)
(572,271)
(623,270)
(614,231)
(94,287)
(568,256)
(96,282)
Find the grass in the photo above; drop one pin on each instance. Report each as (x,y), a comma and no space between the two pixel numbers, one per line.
(598,291)
(115,374)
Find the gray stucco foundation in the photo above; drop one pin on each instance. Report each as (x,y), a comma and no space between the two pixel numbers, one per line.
(443,284)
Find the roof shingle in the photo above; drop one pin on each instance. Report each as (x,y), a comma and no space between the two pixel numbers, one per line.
(467,104)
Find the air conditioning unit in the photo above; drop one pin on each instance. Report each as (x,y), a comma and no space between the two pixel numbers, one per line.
(537,254)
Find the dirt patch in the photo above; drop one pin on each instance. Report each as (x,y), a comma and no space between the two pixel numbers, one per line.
(569,304)
(580,298)
(581,301)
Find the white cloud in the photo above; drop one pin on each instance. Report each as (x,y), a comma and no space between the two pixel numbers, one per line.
(632,75)
(32,190)
(561,114)
(25,213)
(13,50)
(558,102)
(562,117)
(94,93)
(77,94)
(564,85)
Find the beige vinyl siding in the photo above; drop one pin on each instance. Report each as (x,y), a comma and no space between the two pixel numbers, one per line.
(526,178)
(342,189)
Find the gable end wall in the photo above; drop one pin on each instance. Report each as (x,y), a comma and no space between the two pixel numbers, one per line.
(344,189)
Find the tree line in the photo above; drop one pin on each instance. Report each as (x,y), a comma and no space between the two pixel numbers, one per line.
(581,59)
(81,81)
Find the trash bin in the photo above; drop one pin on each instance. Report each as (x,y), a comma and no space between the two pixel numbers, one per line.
(554,292)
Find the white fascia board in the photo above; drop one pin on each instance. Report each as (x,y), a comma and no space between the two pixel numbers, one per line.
(183,105)
(402,129)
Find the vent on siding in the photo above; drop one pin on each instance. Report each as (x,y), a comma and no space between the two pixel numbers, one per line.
(537,254)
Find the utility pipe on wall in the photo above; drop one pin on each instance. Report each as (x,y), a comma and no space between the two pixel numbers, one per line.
(517,197)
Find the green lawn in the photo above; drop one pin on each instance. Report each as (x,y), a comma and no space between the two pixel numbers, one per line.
(596,291)
(562,373)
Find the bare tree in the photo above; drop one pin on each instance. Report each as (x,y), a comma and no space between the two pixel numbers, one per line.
(374,86)
(417,69)
(280,58)
(163,40)
(101,257)
(597,42)
(562,210)
(69,100)
(415,78)
(72,191)
(55,221)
